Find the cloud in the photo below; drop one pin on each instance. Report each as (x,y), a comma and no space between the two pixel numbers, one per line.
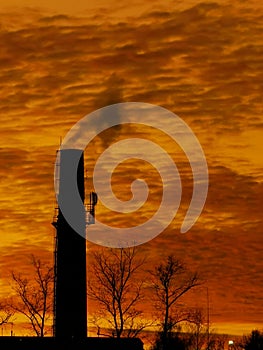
(202,62)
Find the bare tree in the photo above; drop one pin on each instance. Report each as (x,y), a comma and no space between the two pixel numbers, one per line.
(35,295)
(218,342)
(5,313)
(113,284)
(171,281)
(197,329)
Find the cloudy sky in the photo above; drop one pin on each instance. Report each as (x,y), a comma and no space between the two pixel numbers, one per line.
(200,60)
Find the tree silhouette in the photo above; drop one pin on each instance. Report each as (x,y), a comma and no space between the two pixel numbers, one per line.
(197,329)
(35,295)
(171,280)
(254,341)
(5,313)
(113,284)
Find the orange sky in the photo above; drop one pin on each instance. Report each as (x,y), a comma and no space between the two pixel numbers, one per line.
(201,60)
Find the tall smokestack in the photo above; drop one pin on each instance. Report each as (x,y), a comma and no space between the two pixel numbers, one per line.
(70,299)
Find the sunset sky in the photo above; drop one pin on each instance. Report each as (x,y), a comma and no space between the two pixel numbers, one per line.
(60,61)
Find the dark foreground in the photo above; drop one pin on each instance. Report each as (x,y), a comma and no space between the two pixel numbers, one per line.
(50,343)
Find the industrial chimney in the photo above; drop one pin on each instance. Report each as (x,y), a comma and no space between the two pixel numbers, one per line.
(70,294)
